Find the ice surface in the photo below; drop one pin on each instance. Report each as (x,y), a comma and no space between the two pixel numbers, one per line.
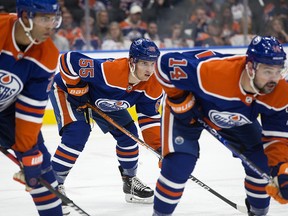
(94,184)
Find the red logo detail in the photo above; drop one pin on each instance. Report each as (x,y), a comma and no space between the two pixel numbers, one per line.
(6,79)
(151,49)
(276,49)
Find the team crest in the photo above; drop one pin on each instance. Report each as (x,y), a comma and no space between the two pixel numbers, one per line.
(107,105)
(256,40)
(10,86)
(227,119)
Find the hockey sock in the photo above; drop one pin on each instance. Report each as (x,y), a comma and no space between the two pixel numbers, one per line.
(176,169)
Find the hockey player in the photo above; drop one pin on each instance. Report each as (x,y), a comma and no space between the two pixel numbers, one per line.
(113,85)
(28,60)
(229,92)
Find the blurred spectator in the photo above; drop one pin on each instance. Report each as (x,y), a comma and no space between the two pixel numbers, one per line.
(68,28)
(93,5)
(164,13)
(276,29)
(257,10)
(213,36)
(3,9)
(152,34)
(277,8)
(8,6)
(228,26)
(81,41)
(211,8)
(176,39)
(239,38)
(133,27)
(61,42)
(115,12)
(125,5)
(75,9)
(114,39)
(237,9)
(196,28)
(102,24)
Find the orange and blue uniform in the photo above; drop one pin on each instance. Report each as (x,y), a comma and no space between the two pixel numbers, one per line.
(108,88)
(25,81)
(214,80)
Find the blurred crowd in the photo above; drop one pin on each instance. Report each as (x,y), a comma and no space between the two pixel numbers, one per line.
(113,24)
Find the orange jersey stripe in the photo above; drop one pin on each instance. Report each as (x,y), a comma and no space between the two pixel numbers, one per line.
(147,120)
(66,71)
(276,153)
(165,135)
(169,193)
(29,109)
(152,137)
(65,155)
(254,188)
(127,153)
(44,198)
(26,139)
(62,99)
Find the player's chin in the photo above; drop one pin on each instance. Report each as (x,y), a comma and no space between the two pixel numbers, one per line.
(145,79)
(43,38)
(268,90)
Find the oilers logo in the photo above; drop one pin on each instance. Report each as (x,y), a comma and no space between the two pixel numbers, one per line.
(227,119)
(108,105)
(10,87)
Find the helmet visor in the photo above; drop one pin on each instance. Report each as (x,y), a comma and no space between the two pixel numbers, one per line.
(46,20)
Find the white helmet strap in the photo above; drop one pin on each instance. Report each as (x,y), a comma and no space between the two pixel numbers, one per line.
(251,79)
(28,30)
(132,67)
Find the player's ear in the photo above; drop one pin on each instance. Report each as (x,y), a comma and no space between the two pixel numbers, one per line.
(249,68)
(25,18)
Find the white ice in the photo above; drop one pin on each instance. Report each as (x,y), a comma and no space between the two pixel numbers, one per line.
(94,184)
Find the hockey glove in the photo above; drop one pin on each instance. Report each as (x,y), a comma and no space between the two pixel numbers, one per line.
(184,108)
(31,163)
(278,189)
(78,94)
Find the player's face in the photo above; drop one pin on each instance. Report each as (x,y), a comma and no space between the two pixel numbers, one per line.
(267,77)
(43,25)
(144,69)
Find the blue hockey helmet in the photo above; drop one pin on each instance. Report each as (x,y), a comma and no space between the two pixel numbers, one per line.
(143,49)
(37,6)
(266,50)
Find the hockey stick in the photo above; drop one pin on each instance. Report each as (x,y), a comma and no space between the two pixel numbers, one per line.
(241,209)
(64,198)
(244,159)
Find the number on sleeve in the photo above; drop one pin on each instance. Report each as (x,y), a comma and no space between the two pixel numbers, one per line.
(87,68)
(177,73)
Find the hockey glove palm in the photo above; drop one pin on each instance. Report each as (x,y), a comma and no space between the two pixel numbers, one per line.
(278,189)
(78,94)
(31,162)
(184,108)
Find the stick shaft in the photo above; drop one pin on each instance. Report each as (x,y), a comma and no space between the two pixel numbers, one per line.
(64,198)
(242,209)
(244,159)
